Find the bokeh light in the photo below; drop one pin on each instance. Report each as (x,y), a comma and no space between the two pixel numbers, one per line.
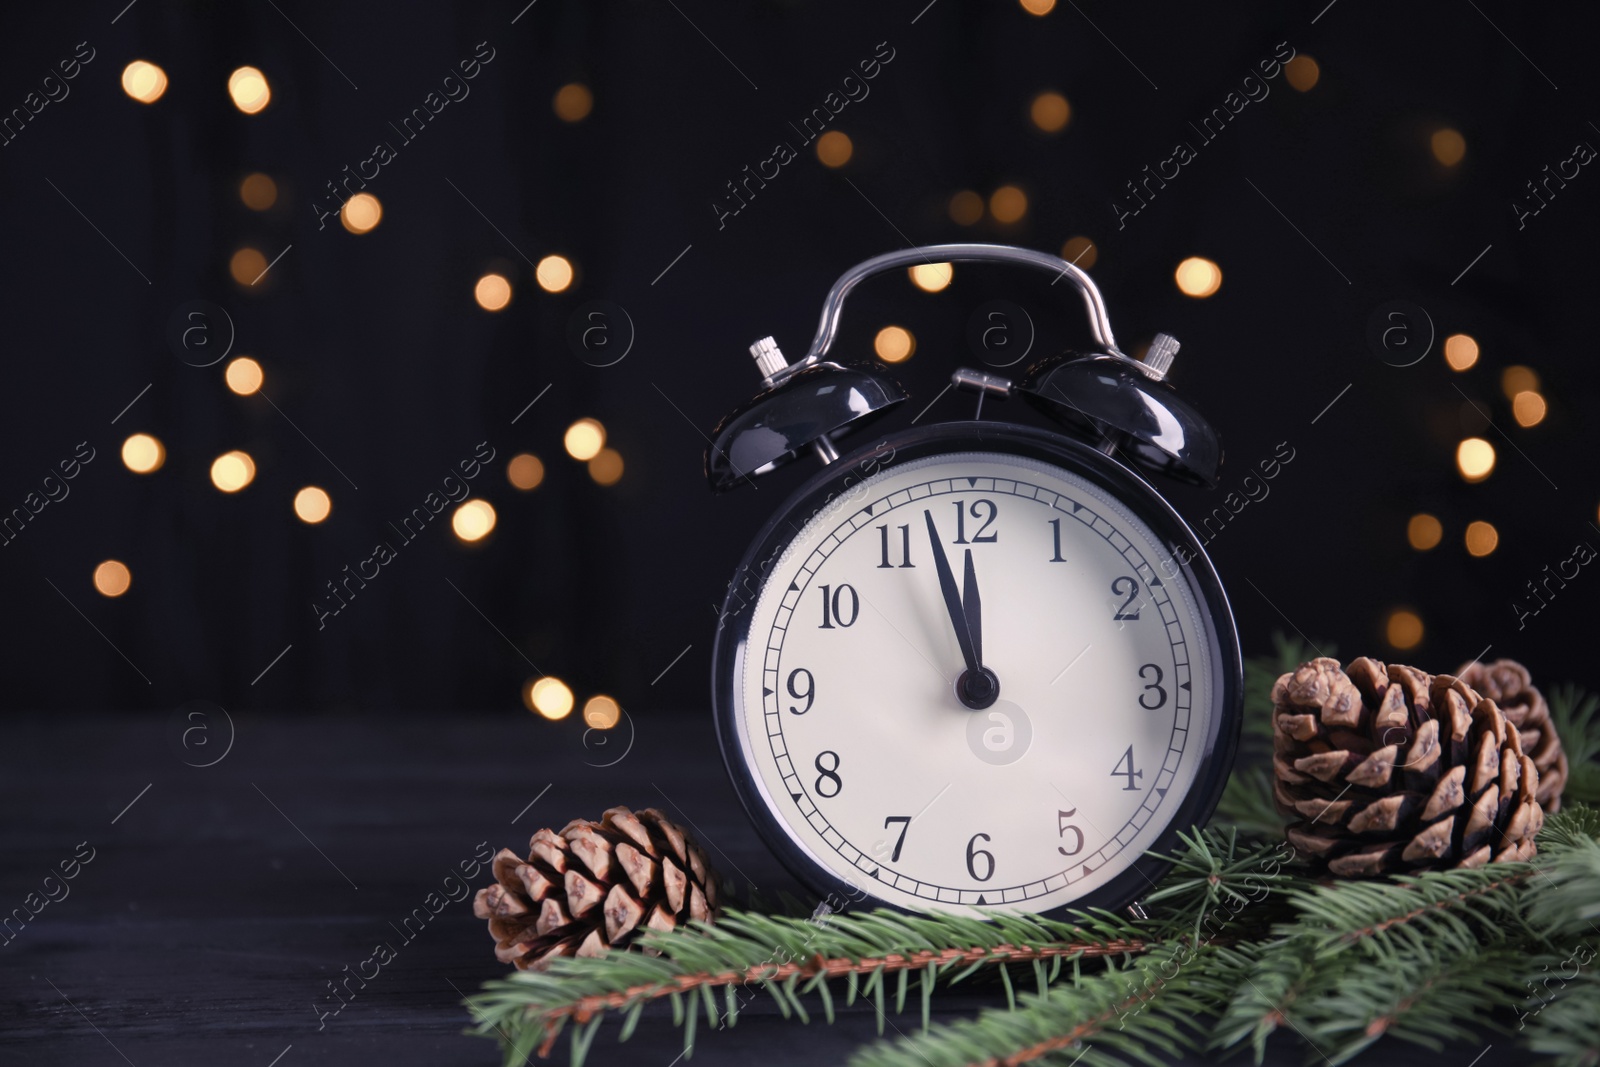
(548,696)
(1198,277)
(249,89)
(1302,73)
(361,213)
(312,504)
(243,375)
(1038,7)
(606,467)
(1080,252)
(473,520)
(1460,351)
(601,712)
(966,208)
(112,578)
(1448,146)
(1403,629)
(492,292)
(1482,538)
(258,191)
(1475,459)
(232,471)
(584,439)
(525,471)
(1518,379)
(1528,408)
(247,266)
(894,344)
(1424,532)
(834,149)
(554,274)
(931,277)
(1008,204)
(573,102)
(143,454)
(144,81)
(1050,112)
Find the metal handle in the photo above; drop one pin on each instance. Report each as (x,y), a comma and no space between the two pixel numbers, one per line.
(833,306)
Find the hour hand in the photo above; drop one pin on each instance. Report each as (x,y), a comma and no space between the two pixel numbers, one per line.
(952,598)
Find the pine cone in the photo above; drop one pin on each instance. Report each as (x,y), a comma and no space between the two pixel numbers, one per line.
(595,886)
(1393,770)
(1508,684)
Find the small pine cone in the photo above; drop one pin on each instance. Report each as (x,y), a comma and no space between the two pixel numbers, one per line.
(595,886)
(1392,770)
(1508,684)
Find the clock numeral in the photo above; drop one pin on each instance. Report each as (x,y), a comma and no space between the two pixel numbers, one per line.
(828,774)
(1063,827)
(972,857)
(905,547)
(983,508)
(1130,587)
(905,824)
(1057,558)
(1130,774)
(831,607)
(809,695)
(1161,694)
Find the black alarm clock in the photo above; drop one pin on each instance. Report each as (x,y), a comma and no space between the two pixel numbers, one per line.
(978,665)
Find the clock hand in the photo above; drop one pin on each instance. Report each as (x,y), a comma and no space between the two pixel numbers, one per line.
(952,598)
(972,607)
(977,688)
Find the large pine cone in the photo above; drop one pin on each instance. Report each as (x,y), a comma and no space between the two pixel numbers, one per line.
(595,886)
(1391,770)
(1508,684)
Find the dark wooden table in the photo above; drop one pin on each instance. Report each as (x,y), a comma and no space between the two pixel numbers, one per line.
(221,900)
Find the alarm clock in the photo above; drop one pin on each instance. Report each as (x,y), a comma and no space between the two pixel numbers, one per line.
(977,665)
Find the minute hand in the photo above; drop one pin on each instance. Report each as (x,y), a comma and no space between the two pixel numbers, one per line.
(952,598)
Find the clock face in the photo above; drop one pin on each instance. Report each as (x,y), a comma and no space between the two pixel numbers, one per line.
(886,768)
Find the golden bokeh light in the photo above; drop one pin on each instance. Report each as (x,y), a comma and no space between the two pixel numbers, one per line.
(548,696)
(584,439)
(243,375)
(966,208)
(525,471)
(1460,351)
(1302,73)
(834,149)
(573,102)
(1448,146)
(1528,408)
(554,274)
(931,277)
(1008,204)
(606,467)
(1518,379)
(473,520)
(894,344)
(258,191)
(112,578)
(143,454)
(1482,538)
(1403,629)
(249,89)
(492,292)
(361,213)
(1198,277)
(312,504)
(1080,252)
(1038,7)
(144,81)
(601,712)
(1475,459)
(1424,532)
(232,471)
(1050,112)
(247,266)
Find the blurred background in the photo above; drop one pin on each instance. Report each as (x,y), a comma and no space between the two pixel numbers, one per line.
(230,378)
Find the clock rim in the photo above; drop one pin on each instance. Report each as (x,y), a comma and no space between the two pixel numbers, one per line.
(1221,746)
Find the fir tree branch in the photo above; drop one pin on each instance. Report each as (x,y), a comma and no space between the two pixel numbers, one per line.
(1576,715)
(1566,1025)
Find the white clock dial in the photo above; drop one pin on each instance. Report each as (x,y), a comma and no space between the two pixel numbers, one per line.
(846,701)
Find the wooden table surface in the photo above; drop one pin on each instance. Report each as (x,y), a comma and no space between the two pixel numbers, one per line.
(221,900)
